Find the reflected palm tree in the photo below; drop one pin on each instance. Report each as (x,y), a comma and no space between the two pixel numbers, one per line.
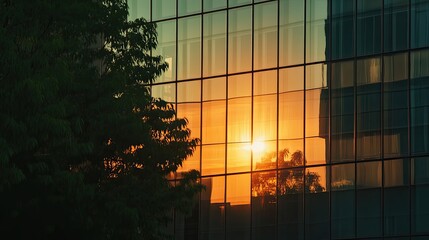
(291,177)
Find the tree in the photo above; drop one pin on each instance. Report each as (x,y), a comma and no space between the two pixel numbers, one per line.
(84,149)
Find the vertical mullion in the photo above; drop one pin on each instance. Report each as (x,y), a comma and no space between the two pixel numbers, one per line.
(227,80)
(382,117)
(277,126)
(305,115)
(409,117)
(252,112)
(355,19)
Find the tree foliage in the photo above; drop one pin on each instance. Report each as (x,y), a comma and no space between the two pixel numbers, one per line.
(84,149)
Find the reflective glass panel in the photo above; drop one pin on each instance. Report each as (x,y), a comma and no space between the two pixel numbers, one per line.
(419,23)
(343,201)
(420,101)
(138,9)
(265,35)
(290,203)
(368,108)
(239,119)
(162,9)
(265,117)
(213,122)
(192,162)
(212,220)
(290,153)
(167,92)
(395,24)
(240,86)
(240,40)
(396,197)
(369,199)
(342,111)
(238,207)
(317,18)
(291,115)
(316,203)
(291,34)
(369,26)
(395,101)
(420,195)
(167,49)
(264,205)
(238,157)
(187,7)
(233,3)
(214,89)
(265,82)
(214,44)
(191,111)
(342,28)
(213,5)
(189,91)
(264,155)
(291,79)
(189,48)
(213,159)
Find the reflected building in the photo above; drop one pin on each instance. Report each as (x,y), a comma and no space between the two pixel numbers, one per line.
(313,115)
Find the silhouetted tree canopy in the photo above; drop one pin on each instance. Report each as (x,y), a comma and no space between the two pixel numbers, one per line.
(84,149)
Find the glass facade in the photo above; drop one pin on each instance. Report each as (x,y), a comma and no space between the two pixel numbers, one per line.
(313,115)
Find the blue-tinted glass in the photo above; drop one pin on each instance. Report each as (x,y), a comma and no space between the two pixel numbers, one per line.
(343,201)
(420,196)
(369,27)
(316,30)
(395,101)
(419,23)
(342,28)
(395,24)
(342,111)
(420,101)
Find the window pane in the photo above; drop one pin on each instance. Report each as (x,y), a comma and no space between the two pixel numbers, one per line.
(395,25)
(290,203)
(264,155)
(265,82)
(167,49)
(238,207)
(213,159)
(419,23)
(192,162)
(213,5)
(343,201)
(165,91)
(214,44)
(291,79)
(163,9)
(395,105)
(368,108)
(238,158)
(189,91)
(239,119)
(317,18)
(187,7)
(213,122)
(369,199)
(240,40)
(316,114)
(291,32)
(138,9)
(240,86)
(342,113)
(212,220)
(265,117)
(189,48)
(291,115)
(396,197)
(233,3)
(265,35)
(290,153)
(342,28)
(264,205)
(214,89)
(420,195)
(316,204)
(191,111)
(369,27)
(420,101)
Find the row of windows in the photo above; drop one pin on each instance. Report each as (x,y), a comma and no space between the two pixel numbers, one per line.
(298,32)
(342,201)
(366,109)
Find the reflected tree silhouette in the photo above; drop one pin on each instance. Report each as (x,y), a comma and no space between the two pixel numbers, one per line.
(291,178)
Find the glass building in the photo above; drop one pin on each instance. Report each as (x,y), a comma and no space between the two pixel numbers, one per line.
(313,115)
